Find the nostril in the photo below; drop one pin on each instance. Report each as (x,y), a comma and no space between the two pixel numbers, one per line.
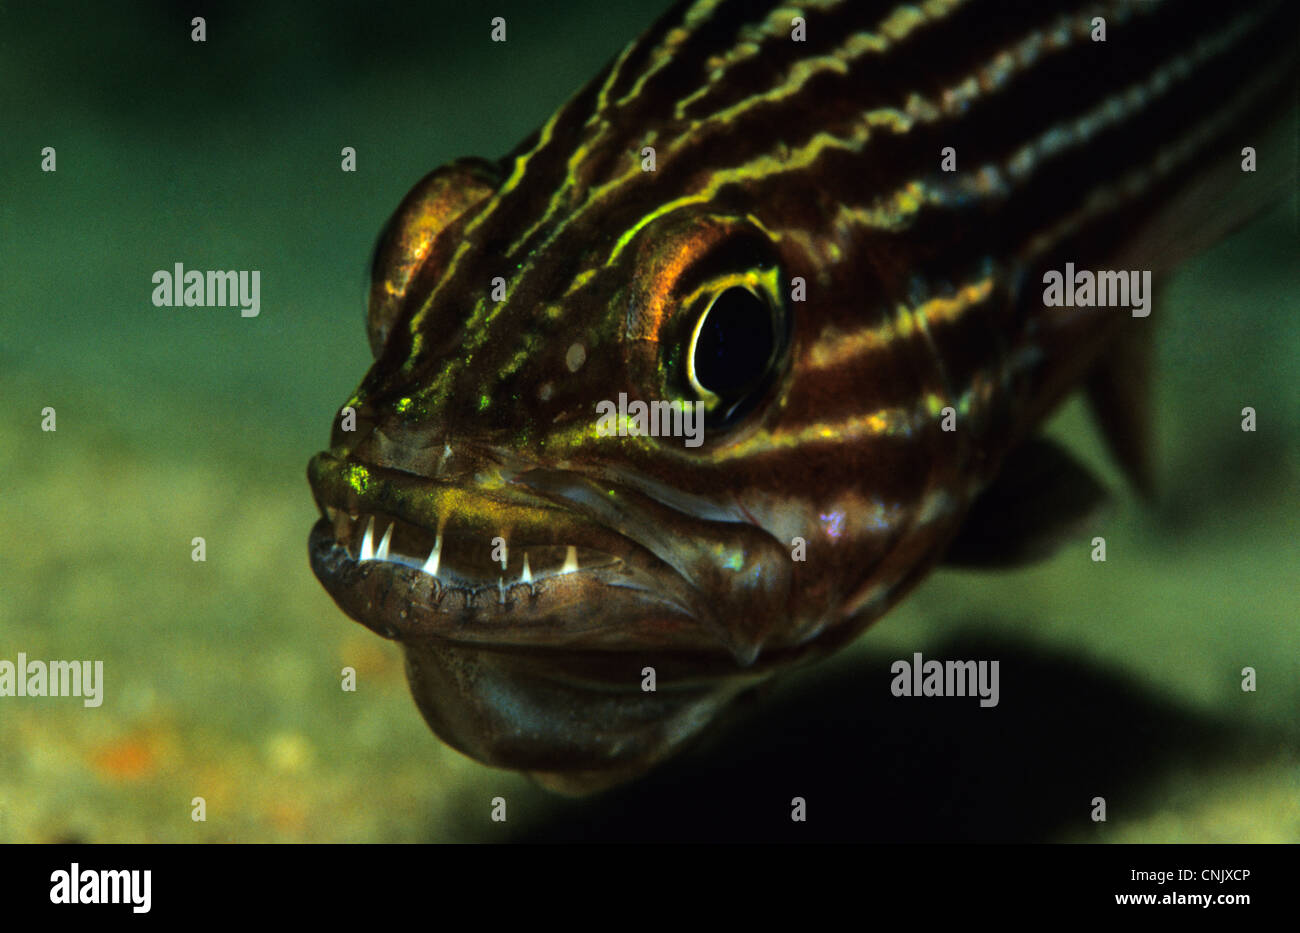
(353,424)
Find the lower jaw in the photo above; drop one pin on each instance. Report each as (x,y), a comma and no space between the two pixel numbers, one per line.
(576,711)
(585,725)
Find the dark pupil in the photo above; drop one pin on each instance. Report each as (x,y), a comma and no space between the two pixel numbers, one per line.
(735,343)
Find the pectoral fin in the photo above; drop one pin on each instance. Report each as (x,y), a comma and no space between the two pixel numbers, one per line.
(1040,500)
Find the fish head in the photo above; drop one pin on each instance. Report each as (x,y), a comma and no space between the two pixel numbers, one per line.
(593,482)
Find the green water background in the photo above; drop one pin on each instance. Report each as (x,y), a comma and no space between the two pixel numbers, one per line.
(222,678)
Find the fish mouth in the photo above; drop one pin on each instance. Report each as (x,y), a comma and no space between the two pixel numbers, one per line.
(527,560)
(541,664)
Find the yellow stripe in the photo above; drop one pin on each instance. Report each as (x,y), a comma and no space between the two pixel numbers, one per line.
(895,27)
(695,16)
(1105,198)
(833,350)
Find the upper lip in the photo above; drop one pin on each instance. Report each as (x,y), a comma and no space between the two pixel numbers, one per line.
(465,510)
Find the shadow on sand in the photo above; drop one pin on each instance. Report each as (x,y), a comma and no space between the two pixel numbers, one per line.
(875,767)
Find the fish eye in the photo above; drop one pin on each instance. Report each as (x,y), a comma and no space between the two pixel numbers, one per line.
(731,352)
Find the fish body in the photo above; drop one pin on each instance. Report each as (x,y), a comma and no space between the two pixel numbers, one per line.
(822,228)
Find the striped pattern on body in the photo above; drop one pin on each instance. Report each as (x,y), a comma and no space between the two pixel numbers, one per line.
(922,288)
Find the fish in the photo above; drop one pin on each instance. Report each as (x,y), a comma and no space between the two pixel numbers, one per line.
(819,230)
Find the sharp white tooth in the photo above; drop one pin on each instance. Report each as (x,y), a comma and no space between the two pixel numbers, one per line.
(431,565)
(367,541)
(570,560)
(382,553)
(527,575)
